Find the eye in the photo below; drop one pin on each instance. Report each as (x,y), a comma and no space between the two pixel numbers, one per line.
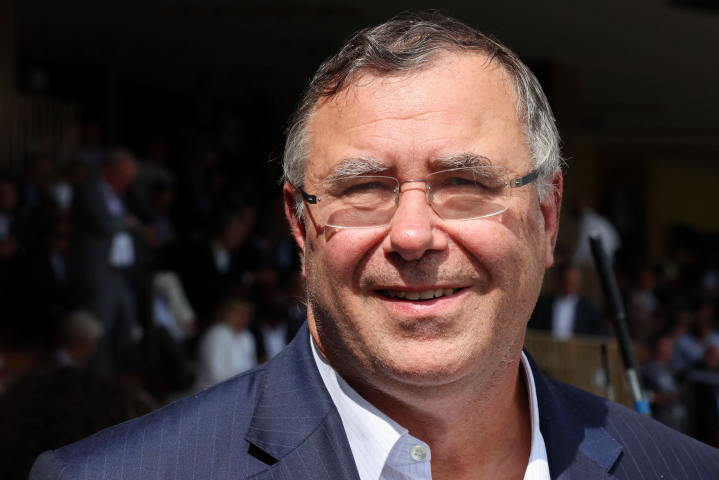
(365,187)
(460,182)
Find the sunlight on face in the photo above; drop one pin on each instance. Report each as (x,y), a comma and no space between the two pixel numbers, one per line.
(369,303)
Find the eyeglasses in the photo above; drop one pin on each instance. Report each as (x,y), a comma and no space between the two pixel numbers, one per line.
(456,194)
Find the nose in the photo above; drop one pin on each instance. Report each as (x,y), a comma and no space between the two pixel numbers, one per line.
(413,230)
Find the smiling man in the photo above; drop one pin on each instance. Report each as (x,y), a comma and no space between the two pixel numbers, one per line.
(423,186)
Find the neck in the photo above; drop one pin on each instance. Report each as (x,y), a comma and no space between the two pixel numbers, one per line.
(475,428)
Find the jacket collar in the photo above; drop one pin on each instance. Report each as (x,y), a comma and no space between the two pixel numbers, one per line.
(293,401)
(571,435)
(293,404)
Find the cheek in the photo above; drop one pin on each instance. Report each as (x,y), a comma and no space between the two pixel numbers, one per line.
(338,253)
(507,247)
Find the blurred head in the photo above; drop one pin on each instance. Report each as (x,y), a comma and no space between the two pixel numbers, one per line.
(711,358)
(8,195)
(231,228)
(663,349)
(119,169)
(236,313)
(570,280)
(162,195)
(79,333)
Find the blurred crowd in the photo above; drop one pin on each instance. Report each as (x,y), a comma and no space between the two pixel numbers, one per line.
(671,310)
(166,269)
(137,277)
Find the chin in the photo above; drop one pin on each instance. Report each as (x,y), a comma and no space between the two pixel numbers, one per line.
(424,363)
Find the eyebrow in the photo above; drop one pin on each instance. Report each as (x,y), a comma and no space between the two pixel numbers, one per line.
(461,160)
(351,167)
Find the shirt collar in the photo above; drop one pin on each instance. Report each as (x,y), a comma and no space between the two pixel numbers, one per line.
(372,435)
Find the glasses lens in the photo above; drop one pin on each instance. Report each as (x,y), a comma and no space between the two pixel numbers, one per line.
(357,201)
(467,193)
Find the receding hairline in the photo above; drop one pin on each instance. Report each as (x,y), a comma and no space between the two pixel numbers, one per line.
(448,55)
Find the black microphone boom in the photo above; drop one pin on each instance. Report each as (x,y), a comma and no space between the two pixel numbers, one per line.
(619,319)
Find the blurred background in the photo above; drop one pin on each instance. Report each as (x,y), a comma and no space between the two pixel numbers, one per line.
(144,253)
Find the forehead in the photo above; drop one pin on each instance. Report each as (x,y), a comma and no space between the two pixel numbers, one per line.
(461,104)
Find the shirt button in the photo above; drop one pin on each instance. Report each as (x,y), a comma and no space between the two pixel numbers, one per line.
(418,453)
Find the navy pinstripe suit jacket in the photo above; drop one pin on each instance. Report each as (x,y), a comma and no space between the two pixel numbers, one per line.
(278,422)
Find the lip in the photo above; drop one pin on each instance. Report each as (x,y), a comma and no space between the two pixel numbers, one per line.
(426,307)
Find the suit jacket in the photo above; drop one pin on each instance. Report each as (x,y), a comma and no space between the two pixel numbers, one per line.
(588,320)
(93,228)
(279,422)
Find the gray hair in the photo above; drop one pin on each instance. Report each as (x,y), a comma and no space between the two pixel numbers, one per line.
(410,42)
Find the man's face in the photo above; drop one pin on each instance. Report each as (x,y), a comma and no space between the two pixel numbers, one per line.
(494,265)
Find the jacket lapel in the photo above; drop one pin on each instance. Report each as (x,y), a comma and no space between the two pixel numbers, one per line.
(577,444)
(295,425)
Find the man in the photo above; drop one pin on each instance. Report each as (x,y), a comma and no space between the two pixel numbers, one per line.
(567,314)
(101,255)
(411,365)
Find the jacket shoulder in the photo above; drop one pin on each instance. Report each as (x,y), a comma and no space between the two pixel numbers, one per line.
(204,433)
(647,445)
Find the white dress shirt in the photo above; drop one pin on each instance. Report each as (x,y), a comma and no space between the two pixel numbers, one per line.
(384,450)
(122,248)
(224,353)
(564,314)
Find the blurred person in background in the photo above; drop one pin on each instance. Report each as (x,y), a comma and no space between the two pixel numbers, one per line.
(91,151)
(690,347)
(706,397)
(662,388)
(11,234)
(56,406)
(41,291)
(102,252)
(10,224)
(62,188)
(152,170)
(211,268)
(643,305)
(175,324)
(567,314)
(36,183)
(160,230)
(77,338)
(227,348)
(590,222)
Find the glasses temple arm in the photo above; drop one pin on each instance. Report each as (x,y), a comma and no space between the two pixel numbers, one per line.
(308,198)
(518,182)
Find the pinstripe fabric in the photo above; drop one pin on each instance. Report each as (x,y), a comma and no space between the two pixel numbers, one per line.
(278,422)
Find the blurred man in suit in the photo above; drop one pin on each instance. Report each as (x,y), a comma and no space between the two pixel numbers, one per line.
(423,188)
(102,252)
(567,314)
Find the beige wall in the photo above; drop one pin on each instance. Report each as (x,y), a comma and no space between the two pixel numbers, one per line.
(680,192)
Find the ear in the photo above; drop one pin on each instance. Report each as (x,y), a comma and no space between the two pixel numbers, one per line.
(551,206)
(296,225)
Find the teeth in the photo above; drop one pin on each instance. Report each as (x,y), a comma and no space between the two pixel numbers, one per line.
(425,295)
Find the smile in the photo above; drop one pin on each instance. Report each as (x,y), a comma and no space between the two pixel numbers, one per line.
(421,295)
